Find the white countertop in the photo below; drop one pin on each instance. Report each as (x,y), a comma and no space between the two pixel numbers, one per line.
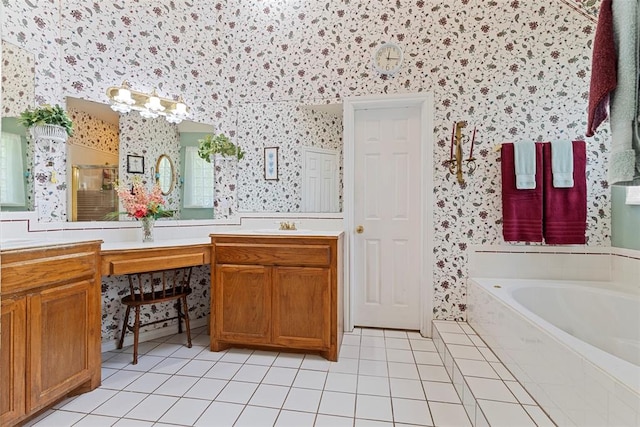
(31,243)
(268,232)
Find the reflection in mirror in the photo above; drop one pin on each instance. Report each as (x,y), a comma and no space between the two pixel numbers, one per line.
(93,197)
(196,175)
(165,175)
(309,141)
(16,159)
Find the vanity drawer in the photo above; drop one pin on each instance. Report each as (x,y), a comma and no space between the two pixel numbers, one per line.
(273,254)
(25,270)
(153,259)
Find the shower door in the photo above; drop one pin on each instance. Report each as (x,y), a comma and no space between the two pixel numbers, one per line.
(93,195)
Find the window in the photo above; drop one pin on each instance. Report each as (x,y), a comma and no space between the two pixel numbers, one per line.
(198,181)
(11,170)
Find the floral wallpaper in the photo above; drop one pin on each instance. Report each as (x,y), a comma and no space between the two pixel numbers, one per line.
(150,138)
(18,80)
(290,127)
(516,70)
(92,132)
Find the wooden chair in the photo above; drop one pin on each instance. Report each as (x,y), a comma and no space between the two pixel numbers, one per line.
(153,288)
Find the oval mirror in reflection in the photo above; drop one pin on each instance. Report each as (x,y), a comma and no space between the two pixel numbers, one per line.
(165,175)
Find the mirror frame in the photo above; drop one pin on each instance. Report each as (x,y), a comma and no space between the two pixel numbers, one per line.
(173,174)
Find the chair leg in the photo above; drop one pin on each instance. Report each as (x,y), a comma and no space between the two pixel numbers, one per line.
(125,325)
(186,321)
(136,332)
(180,316)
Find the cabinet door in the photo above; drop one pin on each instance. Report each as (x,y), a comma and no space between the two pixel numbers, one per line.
(12,360)
(242,303)
(302,307)
(61,333)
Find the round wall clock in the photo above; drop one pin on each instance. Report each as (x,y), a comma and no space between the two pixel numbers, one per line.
(387,58)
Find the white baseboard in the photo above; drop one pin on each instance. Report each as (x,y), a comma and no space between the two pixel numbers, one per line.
(152,334)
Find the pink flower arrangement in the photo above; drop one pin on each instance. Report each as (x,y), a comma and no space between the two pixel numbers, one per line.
(139,203)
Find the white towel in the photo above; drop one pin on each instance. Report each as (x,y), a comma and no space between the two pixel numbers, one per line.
(525,165)
(623,99)
(562,163)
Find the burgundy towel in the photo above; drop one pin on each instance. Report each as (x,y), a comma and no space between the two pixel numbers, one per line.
(604,76)
(521,209)
(565,209)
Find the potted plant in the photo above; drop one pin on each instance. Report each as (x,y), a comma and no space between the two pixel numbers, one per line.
(211,145)
(47,122)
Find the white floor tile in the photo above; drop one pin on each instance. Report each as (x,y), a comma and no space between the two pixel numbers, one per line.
(372,423)
(454,338)
(449,415)
(164,349)
(107,372)
(427,358)
(220,414)
(404,356)
(89,401)
(440,392)
(351,340)
(147,382)
(464,352)
(177,385)
(120,380)
(60,418)
(169,365)
(117,361)
(373,353)
(349,352)
(295,419)
(520,393)
(280,376)
(371,341)
(237,392)
(477,341)
(223,370)
(206,388)
(127,422)
(378,386)
(501,414)
(344,365)
(315,363)
(488,354)
(236,355)
(289,360)
(334,403)
(433,373)
(476,368)
(152,408)
(393,333)
(188,353)
(502,371)
(467,329)
(422,345)
(207,354)
(196,368)
(253,416)
(373,408)
(96,421)
(302,399)
(373,367)
(185,411)
(448,326)
(265,358)
(538,415)
(403,370)
(407,389)
(484,388)
(323,420)
(120,404)
(411,412)
(310,379)
(346,383)
(372,332)
(272,396)
(251,373)
(397,343)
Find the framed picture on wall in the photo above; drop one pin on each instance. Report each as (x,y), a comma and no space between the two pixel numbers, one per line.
(135,164)
(271,163)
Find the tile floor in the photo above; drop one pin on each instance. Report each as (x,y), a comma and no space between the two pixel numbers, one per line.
(383,378)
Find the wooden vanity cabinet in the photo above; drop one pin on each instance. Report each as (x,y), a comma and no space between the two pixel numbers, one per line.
(50,302)
(276,292)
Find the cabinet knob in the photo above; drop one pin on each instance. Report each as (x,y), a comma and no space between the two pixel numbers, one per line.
(359,229)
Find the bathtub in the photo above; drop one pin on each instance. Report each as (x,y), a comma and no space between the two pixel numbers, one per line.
(575,346)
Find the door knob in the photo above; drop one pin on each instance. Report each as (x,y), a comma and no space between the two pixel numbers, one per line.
(359,229)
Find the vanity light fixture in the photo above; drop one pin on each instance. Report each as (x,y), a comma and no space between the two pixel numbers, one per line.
(124,100)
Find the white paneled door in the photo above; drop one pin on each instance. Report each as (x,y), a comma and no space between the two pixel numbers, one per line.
(320,180)
(387,216)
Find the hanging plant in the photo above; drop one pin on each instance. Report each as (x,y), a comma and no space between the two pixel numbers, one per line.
(46,115)
(211,145)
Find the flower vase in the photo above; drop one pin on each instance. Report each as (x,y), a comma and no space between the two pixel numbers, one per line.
(147,223)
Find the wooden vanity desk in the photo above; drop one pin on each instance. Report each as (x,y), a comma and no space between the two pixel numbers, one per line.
(277,291)
(138,258)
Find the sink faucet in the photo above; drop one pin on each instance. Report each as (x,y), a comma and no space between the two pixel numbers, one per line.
(285,225)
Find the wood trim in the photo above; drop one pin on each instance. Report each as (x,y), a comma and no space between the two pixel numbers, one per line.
(125,261)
